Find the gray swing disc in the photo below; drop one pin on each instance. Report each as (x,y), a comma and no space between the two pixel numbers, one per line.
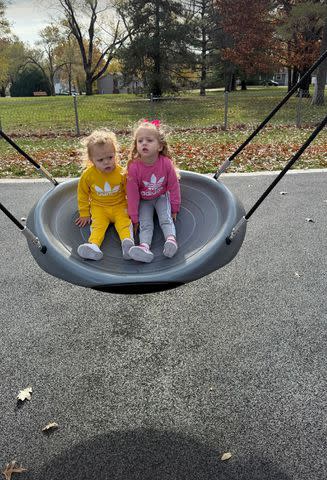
(208,213)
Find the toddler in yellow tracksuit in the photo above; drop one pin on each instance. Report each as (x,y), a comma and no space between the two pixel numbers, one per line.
(101,195)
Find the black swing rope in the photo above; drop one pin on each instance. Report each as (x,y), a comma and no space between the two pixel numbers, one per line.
(229,160)
(38,167)
(277,179)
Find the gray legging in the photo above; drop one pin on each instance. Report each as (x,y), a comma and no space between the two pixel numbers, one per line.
(163,209)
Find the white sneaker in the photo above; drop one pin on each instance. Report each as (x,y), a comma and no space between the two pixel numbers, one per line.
(141,253)
(170,247)
(90,251)
(126,245)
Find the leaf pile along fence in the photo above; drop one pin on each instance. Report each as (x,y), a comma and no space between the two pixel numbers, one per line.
(77,115)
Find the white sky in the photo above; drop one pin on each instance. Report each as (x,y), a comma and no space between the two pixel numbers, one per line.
(27,18)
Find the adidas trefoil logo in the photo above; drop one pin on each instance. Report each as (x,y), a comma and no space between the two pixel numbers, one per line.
(107,190)
(153,186)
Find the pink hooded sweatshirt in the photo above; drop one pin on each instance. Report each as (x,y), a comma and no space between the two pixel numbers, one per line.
(151,181)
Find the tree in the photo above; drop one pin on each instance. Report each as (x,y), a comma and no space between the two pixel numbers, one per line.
(45,57)
(252,36)
(319,93)
(14,51)
(71,72)
(158,49)
(4,24)
(29,80)
(4,52)
(203,20)
(4,66)
(300,28)
(84,19)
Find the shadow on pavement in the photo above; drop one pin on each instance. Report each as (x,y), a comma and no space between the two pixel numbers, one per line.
(152,455)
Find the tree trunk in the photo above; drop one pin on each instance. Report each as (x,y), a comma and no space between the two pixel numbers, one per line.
(70,77)
(52,87)
(203,80)
(232,83)
(115,84)
(88,84)
(88,87)
(319,92)
(295,75)
(289,69)
(289,79)
(305,85)
(156,81)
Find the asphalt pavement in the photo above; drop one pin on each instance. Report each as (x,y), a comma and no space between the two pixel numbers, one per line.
(160,386)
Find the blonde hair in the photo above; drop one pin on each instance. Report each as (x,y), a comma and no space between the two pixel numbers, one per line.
(160,131)
(98,137)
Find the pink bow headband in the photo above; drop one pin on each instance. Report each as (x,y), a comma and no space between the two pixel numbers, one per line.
(156,123)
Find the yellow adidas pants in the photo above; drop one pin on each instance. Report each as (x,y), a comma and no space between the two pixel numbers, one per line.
(103,216)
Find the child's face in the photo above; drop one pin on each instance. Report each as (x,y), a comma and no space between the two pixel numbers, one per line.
(147,145)
(103,157)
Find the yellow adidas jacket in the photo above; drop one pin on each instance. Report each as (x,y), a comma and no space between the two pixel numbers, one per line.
(97,188)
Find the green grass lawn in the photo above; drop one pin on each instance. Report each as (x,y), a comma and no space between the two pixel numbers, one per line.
(43,115)
(45,128)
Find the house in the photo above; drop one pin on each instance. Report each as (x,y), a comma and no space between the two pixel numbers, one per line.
(114,83)
(282,77)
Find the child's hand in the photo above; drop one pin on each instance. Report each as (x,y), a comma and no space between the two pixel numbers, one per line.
(174,216)
(135,228)
(82,221)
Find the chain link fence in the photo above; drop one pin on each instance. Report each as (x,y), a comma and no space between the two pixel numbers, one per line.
(78,115)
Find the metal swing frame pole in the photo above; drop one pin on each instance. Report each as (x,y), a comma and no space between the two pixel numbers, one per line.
(38,167)
(277,179)
(28,234)
(229,160)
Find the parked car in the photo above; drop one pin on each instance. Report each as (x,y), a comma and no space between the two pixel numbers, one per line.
(270,83)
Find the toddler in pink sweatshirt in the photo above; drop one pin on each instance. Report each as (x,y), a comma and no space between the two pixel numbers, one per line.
(152,184)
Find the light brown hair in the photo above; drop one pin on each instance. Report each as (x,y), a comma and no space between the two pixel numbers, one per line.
(160,131)
(98,137)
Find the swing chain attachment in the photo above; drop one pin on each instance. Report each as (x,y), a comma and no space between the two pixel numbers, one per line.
(29,235)
(47,175)
(222,168)
(235,230)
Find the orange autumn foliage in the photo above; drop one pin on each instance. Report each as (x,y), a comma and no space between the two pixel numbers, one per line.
(250,27)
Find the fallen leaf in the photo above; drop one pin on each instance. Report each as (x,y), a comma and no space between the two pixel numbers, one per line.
(11,468)
(283,193)
(310,220)
(25,394)
(226,456)
(50,426)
